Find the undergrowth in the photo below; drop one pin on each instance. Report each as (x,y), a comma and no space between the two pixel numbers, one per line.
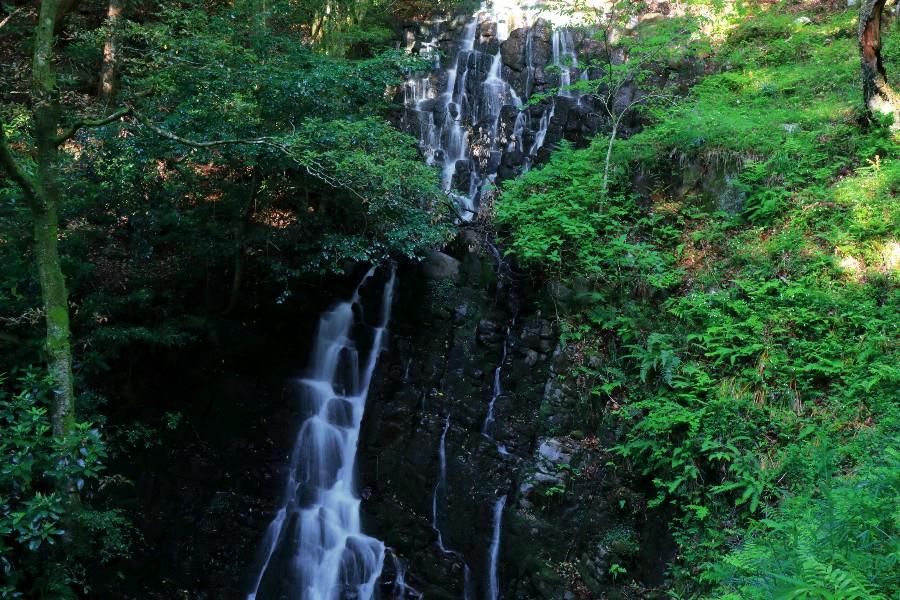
(750,360)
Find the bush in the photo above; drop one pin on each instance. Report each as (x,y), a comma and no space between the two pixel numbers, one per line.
(47,532)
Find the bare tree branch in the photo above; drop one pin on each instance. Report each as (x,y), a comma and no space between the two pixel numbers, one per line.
(8,17)
(71,131)
(260,141)
(9,164)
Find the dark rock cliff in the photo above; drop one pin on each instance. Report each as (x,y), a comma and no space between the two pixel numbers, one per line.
(569,514)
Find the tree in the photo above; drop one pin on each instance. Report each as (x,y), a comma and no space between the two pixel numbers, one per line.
(627,65)
(878,95)
(109,70)
(42,192)
(369,183)
(41,189)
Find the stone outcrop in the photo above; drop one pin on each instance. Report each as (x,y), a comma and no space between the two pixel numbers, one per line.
(440,365)
(568,515)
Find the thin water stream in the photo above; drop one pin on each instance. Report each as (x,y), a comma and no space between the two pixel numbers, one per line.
(493,588)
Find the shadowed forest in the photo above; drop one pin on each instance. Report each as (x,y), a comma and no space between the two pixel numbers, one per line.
(403,299)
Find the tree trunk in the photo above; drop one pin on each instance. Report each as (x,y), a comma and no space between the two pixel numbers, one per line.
(45,212)
(53,288)
(109,70)
(609,149)
(64,8)
(56,308)
(877,94)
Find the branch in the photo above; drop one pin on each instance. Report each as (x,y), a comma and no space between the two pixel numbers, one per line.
(71,131)
(261,141)
(311,166)
(8,17)
(8,163)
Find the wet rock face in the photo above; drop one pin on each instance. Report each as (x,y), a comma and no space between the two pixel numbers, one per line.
(469,111)
(439,266)
(526,53)
(512,51)
(568,515)
(447,340)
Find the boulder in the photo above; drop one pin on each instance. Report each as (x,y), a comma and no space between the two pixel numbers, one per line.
(441,266)
(512,50)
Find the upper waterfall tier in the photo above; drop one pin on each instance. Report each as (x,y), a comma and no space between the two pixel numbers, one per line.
(471,112)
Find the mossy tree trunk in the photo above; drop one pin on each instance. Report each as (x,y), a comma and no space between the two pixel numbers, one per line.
(45,211)
(878,95)
(43,194)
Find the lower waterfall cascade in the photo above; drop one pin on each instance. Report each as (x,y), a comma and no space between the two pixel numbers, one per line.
(314,548)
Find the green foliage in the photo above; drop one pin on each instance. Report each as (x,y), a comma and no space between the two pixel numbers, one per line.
(165,245)
(555,490)
(616,569)
(840,542)
(40,480)
(321,108)
(748,360)
(562,225)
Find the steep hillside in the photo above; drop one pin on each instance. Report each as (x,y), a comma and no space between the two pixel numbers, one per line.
(733,306)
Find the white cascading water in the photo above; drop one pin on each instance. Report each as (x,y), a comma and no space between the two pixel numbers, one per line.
(459,126)
(493,588)
(440,486)
(314,548)
(565,59)
(402,591)
(488,428)
(539,136)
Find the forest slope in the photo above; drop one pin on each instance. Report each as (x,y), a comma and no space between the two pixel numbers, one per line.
(734,304)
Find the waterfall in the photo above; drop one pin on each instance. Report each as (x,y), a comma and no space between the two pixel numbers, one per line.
(402,591)
(474,128)
(488,428)
(399,578)
(314,548)
(540,136)
(463,129)
(493,586)
(529,63)
(565,59)
(440,485)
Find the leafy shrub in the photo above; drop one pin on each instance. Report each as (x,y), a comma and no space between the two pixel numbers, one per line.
(46,533)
